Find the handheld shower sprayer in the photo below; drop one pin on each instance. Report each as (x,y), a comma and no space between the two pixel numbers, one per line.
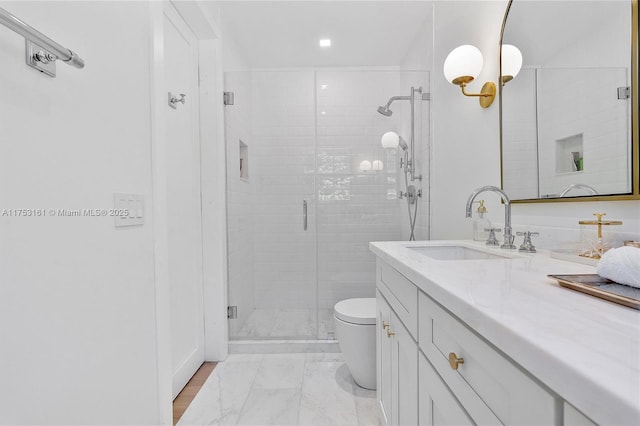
(403,144)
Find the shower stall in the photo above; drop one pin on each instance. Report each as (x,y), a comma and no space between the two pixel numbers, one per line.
(309,185)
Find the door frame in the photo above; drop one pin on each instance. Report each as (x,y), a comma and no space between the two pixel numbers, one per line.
(213,191)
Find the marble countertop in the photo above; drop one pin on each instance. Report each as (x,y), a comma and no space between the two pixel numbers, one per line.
(585,349)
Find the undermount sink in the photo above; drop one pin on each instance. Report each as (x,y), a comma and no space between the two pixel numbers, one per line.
(455,253)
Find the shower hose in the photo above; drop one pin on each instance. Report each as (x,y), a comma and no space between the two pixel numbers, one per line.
(412,220)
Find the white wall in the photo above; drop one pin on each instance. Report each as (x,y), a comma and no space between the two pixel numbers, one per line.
(465,136)
(77,315)
(466,140)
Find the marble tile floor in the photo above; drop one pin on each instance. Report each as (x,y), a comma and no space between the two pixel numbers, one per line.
(287,323)
(282,389)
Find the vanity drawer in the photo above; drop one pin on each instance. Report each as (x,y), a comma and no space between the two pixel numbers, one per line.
(573,417)
(401,294)
(504,389)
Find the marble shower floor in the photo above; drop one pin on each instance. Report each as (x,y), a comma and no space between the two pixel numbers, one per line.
(287,323)
(282,389)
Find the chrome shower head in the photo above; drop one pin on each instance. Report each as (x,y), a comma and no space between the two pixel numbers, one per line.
(403,144)
(384,110)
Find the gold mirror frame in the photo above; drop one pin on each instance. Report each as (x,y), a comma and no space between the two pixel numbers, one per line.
(635,149)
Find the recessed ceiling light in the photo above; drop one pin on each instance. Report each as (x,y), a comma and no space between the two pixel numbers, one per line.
(325,42)
(323,112)
(323,86)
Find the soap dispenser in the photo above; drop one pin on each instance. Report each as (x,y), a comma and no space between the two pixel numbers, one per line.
(481,224)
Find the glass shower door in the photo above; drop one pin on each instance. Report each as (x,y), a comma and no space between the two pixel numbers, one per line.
(272,239)
(303,148)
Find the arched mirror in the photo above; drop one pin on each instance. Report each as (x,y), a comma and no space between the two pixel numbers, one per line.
(569,118)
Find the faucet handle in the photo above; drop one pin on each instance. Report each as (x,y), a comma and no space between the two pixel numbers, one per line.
(527,246)
(492,240)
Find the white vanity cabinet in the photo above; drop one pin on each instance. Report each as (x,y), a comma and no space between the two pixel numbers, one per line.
(397,349)
(417,382)
(573,417)
(490,387)
(524,351)
(437,405)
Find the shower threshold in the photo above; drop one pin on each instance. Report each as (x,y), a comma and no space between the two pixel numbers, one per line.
(282,346)
(285,330)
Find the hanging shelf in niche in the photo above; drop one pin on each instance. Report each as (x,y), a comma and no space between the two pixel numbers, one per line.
(570,154)
(244,161)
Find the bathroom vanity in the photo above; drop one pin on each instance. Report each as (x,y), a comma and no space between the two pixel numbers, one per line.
(473,335)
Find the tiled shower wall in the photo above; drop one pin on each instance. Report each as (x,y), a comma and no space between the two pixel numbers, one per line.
(307,133)
(597,115)
(283,178)
(356,207)
(544,108)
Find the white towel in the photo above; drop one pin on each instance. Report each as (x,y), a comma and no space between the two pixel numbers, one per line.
(621,265)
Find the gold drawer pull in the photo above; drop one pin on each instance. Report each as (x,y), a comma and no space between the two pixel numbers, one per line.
(454,361)
(390,333)
(385,325)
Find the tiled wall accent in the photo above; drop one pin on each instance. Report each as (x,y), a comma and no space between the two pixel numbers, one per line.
(309,131)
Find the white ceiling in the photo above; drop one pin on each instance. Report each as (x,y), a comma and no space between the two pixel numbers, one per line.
(558,24)
(275,34)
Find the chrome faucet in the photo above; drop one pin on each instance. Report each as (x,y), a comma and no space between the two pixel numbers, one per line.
(508,236)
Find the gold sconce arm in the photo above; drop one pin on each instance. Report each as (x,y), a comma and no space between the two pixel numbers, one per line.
(487,93)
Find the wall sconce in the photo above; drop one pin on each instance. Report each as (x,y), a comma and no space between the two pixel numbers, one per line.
(511,62)
(365,165)
(377,165)
(462,66)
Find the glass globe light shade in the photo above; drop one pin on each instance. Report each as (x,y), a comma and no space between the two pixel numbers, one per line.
(511,61)
(390,140)
(365,165)
(463,61)
(377,165)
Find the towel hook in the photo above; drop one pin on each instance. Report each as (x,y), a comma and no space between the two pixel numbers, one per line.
(173,100)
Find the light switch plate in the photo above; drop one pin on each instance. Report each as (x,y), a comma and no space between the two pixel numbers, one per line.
(133,207)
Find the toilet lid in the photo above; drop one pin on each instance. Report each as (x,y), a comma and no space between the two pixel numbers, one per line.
(356,311)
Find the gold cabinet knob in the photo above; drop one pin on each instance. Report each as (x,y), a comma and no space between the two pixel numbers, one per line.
(390,333)
(385,325)
(454,361)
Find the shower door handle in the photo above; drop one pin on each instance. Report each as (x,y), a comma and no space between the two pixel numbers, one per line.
(304,215)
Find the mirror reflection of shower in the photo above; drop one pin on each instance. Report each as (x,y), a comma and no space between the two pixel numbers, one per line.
(392,140)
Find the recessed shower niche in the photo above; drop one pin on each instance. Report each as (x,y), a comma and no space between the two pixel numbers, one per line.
(569,154)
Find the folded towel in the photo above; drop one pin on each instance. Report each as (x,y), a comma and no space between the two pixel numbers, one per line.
(621,265)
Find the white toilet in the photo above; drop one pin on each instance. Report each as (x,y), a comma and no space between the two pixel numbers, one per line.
(355,321)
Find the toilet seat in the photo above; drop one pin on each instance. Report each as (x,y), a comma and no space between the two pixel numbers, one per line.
(360,311)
